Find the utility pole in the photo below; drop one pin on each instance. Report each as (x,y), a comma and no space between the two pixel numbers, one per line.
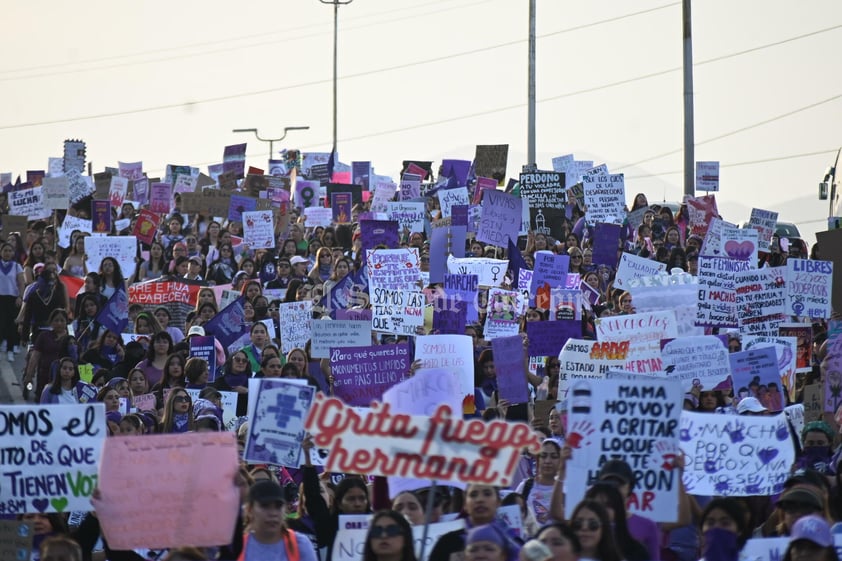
(530,141)
(336,4)
(689,143)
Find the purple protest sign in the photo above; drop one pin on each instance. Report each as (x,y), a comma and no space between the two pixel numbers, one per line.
(234,160)
(362,374)
(203,347)
(550,271)
(500,218)
(340,203)
(463,288)
(357,314)
(449,316)
(240,204)
(547,338)
(379,232)
(510,365)
(606,239)
(459,215)
(114,316)
(457,171)
(160,198)
(101,216)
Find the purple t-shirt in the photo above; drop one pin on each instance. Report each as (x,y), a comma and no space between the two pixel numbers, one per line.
(647,533)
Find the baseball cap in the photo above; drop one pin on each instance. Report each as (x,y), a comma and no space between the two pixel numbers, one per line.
(750,405)
(266,491)
(298,259)
(617,469)
(196,259)
(800,496)
(812,528)
(196,330)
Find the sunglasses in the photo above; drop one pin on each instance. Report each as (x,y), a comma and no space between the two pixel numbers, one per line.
(181,399)
(390,531)
(589,524)
(239,359)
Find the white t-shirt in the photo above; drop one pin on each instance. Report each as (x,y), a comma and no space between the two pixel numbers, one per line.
(538,501)
(67,396)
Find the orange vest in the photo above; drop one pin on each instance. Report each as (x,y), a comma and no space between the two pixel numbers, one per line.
(290,546)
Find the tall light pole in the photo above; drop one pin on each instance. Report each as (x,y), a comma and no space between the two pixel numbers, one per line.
(689,142)
(336,4)
(272,141)
(530,116)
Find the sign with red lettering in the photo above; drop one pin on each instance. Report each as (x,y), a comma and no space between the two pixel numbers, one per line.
(644,332)
(152,293)
(636,421)
(441,447)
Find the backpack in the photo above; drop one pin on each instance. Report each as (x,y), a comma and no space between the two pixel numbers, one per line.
(527,488)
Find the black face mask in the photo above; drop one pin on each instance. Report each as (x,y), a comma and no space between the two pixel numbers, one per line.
(261,310)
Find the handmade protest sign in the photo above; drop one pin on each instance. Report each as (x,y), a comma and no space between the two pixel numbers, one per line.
(550,271)
(55,193)
(450,353)
(443,447)
(543,189)
(764,221)
(701,211)
(379,232)
(450,197)
(737,243)
(295,321)
(329,334)
(809,285)
(396,269)
(502,317)
(277,422)
(258,231)
(50,455)
(500,218)
(144,402)
(644,332)
(463,288)
(585,359)
(761,300)
(785,352)
(735,456)
(548,338)
(202,346)
(803,333)
(146,226)
(396,311)
(605,242)
(160,198)
(349,544)
(362,374)
(122,248)
(510,366)
(29,203)
(635,421)
(205,461)
(700,362)
(707,176)
(755,374)
(410,187)
(605,198)
(408,214)
(717,304)
(490,272)
(422,393)
(632,267)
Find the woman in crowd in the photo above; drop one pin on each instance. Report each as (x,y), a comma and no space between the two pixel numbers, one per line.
(197,373)
(34,257)
(389,538)
(258,339)
(112,277)
(592,526)
(154,267)
(110,397)
(725,529)
(41,299)
(268,536)
(342,267)
(160,348)
(609,497)
(162,314)
(561,541)
(106,351)
(178,412)
(46,349)
(138,383)
(235,376)
(146,324)
(66,386)
(811,541)
(321,270)
(11,297)
(481,504)
(408,504)
(87,329)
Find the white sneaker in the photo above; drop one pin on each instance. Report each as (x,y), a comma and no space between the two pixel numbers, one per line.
(10,356)
(16,350)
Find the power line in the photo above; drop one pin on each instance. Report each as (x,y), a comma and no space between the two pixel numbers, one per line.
(218,41)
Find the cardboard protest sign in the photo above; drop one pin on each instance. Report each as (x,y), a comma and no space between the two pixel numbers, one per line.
(543,189)
(635,421)
(735,456)
(510,366)
(443,447)
(500,218)
(362,374)
(813,406)
(761,300)
(277,422)
(55,193)
(70,224)
(764,221)
(632,267)
(329,334)
(809,285)
(408,214)
(396,311)
(29,203)
(16,539)
(699,362)
(502,317)
(490,161)
(122,248)
(605,198)
(450,353)
(707,176)
(192,461)
(258,230)
(644,332)
(144,402)
(396,269)
(50,456)
(785,352)
(295,320)
(755,374)
(701,211)
(450,197)
(717,305)
(585,359)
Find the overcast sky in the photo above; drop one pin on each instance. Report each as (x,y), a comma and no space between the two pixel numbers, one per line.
(165,82)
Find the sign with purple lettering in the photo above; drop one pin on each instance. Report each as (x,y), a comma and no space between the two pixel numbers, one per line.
(510,366)
(160,198)
(755,374)
(809,284)
(397,269)
(547,338)
(50,456)
(463,288)
(761,300)
(500,218)
(101,216)
(276,426)
(362,374)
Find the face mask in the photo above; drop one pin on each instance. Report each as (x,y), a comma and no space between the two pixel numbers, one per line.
(720,545)
(816,457)
(261,310)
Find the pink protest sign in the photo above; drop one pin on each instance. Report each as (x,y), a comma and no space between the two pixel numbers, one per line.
(199,499)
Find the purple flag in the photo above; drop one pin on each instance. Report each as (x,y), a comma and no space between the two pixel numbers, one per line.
(227,325)
(114,316)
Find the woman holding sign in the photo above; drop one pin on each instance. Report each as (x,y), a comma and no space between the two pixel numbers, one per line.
(66,386)
(389,538)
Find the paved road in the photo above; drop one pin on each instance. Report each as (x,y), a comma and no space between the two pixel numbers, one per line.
(10,376)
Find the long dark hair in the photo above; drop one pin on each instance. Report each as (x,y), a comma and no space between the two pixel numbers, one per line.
(606,549)
(614,500)
(408,551)
(736,510)
(346,485)
(55,387)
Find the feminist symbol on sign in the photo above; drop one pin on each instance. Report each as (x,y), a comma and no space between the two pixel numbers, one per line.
(307,195)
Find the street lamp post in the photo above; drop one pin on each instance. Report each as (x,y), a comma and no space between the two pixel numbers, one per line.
(336,4)
(272,141)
